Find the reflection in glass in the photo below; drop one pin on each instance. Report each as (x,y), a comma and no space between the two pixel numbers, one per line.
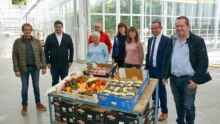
(125,6)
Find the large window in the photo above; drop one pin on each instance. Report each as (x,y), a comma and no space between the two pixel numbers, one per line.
(126,20)
(95,18)
(136,22)
(96,6)
(125,6)
(138,13)
(110,25)
(136,6)
(110,6)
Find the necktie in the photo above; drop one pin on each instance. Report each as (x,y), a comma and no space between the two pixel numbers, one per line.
(152,52)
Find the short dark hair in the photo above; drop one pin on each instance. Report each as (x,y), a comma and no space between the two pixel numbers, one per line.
(121,24)
(58,22)
(158,22)
(26,24)
(185,18)
(133,29)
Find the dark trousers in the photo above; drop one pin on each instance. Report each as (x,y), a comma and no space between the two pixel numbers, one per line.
(34,72)
(61,72)
(184,99)
(126,65)
(120,63)
(162,92)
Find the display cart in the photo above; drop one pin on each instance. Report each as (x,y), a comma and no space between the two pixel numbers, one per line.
(138,109)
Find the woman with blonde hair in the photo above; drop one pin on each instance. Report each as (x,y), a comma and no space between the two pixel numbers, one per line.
(97,51)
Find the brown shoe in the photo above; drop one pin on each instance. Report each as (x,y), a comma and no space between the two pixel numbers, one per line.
(24,110)
(41,107)
(162,117)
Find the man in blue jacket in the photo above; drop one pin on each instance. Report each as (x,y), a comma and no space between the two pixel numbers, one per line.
(59,53)
(157,46)
(186,63)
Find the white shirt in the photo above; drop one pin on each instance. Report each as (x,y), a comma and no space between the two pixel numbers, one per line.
(155,48)
(59,38)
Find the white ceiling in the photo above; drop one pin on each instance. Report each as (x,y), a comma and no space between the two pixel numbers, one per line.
(9,11)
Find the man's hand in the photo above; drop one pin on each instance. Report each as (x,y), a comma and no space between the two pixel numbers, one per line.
(165,82)
(18,74)
(113,61)
(192,85)
(70,64)
(43,71)
(49,66)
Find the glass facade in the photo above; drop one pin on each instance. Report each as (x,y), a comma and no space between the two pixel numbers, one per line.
(140,13)
(43,16)
(78,17)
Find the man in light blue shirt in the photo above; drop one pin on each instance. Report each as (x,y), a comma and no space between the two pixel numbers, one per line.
(97,51)
(180,59)
(186,63)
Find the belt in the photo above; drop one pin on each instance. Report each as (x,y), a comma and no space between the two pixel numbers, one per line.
(182,76)
(30,65)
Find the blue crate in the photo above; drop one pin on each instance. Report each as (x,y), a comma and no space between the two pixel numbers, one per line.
(122,103)
(129,104)
(105,99)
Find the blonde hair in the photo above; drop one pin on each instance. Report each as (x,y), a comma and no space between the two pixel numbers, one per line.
(96,33)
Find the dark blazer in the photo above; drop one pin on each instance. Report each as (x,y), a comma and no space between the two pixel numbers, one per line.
(116,47)
(164,41)
(198,58)
(59,56)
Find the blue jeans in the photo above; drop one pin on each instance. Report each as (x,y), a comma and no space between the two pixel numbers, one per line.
(25,83)
(58,72)
(184,99)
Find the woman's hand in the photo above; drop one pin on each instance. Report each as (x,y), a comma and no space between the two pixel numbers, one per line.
(113,61)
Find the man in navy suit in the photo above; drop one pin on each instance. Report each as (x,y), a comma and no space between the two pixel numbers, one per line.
(157,46)
(59,53)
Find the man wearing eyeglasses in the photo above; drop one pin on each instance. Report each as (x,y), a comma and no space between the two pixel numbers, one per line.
(157,46)
(103,36)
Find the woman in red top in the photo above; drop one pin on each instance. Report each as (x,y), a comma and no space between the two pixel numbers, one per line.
(134,50)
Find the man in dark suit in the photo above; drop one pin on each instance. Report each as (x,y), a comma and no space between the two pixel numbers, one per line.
(157,46)
(59,53)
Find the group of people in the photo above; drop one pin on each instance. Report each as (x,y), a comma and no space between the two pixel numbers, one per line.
(182,58)
(29,58)
(127,48)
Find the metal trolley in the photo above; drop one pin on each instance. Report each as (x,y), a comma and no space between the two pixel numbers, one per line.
(138,109)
